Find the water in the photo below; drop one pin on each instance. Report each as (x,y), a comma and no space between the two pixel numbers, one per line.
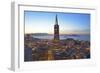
(77,37)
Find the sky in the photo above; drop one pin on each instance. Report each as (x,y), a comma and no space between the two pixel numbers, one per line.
(69,23)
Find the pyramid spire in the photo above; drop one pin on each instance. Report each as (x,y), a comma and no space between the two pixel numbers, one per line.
(56,21)
(56,29)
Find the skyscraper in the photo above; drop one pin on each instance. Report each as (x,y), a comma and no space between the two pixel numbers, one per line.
(56,29)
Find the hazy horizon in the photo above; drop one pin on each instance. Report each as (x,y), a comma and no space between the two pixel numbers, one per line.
(59,34)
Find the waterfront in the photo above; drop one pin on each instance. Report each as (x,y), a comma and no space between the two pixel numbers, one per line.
(63,37)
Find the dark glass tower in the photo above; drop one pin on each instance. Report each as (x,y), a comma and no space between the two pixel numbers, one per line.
(56,29)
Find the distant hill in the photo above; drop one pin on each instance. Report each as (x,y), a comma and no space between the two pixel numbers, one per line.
(40,34)
(73,35)
(35,39)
